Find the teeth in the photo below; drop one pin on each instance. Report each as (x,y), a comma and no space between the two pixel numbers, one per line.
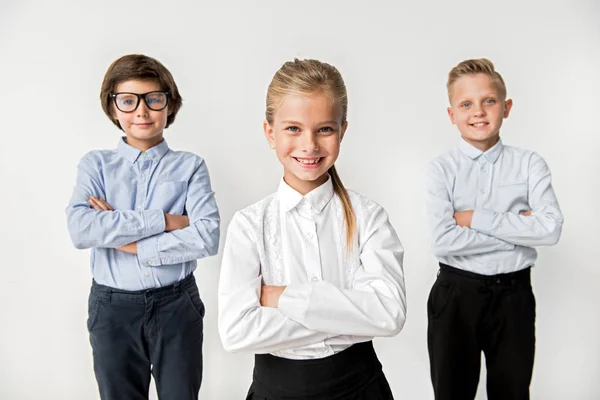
(306,161)
(479,124)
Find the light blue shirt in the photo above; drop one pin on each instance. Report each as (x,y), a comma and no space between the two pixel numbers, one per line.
(498,185)
(141,187)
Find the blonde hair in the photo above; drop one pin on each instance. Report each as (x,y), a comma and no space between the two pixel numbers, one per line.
(307,77)
(475,66)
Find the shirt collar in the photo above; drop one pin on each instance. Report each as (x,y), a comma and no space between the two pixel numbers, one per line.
(316,198)
(131,154)
(473,152)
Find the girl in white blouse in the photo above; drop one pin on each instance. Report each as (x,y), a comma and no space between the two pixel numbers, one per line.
(311,273)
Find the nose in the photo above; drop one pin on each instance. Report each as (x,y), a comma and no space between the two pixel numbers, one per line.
(478,110)
(310,143)
(142,110)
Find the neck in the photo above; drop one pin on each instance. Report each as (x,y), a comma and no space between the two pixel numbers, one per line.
(483,145)
(301,186)
(144,144)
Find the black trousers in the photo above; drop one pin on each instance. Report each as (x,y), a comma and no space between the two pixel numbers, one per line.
(352,374)
(135,334)
(470,313)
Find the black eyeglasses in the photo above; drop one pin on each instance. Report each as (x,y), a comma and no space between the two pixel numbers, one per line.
(128,102)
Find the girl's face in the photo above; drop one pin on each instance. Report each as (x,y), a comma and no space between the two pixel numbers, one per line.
(306,134)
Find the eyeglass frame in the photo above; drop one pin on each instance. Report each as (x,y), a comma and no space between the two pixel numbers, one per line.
(139,96)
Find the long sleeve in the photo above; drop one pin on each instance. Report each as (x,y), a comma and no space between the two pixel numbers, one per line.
(375,305)
(449,239)
(542,228)
(200,239)
(243,324)
(90,228)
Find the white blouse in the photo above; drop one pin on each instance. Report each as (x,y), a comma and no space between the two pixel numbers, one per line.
(335,296)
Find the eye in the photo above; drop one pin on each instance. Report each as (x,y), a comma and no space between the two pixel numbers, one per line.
(490,101)
(466,104)
(326,130)
(293,129)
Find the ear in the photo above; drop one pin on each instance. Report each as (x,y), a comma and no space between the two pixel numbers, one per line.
(507,107)
(269,134)
(343,132)
(451,115)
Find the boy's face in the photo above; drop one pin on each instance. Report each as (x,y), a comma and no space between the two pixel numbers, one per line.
(306,135)
(477,108)
(143,126)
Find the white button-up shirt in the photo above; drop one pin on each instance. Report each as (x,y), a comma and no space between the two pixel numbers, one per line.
(498,185)
(335,296)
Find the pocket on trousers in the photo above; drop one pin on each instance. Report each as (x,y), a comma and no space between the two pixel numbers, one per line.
(93,311)
(195,302)
(439,297)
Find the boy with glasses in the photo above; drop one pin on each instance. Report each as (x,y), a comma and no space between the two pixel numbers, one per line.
(147,212)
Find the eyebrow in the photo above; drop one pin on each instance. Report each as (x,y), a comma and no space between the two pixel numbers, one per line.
(299,123)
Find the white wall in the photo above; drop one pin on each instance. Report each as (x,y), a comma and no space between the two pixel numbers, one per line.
(394,58)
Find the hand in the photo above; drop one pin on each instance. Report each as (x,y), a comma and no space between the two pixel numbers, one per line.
(463,218)
(269,295)
(174,222)
(526,213)
(129,248)
(99,204)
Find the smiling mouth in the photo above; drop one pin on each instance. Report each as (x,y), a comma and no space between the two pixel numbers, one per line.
(308,162)
(479,124)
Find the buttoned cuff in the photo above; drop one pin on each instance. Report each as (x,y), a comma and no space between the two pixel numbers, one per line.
(147,252)
(293,302)
(154,221)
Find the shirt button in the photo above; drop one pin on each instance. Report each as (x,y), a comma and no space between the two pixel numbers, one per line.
(309,236)
(149,263)
(315,279)
(140,207)
(146,274)
(482,191)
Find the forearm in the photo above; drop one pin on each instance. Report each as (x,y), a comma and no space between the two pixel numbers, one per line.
(91,228)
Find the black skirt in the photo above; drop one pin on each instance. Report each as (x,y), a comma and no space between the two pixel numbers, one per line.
(352,374)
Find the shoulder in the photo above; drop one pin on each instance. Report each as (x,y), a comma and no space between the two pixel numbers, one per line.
(444,166)
(185,156)
(525,157)
(365,208)
(96,158)
(252,216)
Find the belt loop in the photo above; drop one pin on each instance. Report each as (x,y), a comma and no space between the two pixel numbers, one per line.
(176,290)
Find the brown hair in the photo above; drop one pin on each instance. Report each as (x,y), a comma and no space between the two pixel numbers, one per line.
(306,77)
(140,67)
(475,66)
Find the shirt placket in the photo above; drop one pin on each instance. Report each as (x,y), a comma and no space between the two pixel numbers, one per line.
(144,172)
(312,256)
(483,182)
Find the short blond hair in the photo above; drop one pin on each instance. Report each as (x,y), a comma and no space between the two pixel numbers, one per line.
(475,66)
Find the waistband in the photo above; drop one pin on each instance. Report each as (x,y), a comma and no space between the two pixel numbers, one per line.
(188,282)
(331,378)
(521,276)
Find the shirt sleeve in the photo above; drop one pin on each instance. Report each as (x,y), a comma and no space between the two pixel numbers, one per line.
(448,238)
(91,228)
(243,324)
(542,228)
(200,239)
(374,305)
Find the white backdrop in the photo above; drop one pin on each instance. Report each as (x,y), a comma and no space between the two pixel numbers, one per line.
(394,58)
